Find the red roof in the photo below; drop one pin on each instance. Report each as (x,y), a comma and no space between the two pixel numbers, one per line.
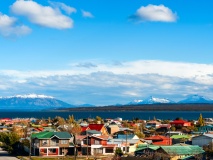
(179,121)
(5,119)
(96,127)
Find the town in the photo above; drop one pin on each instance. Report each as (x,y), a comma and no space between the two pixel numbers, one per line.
(97,138)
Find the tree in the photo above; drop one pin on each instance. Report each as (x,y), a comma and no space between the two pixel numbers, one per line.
(71,119)
(201,121)
(118,152)
(173,128)
(98,119)
(75,129)
(140,134)
(9,140)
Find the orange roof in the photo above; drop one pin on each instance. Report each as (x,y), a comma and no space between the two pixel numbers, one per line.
(84,129)
(96,127)
(80,137)
(104,137)
(44,125)
(157,137)
(109,145)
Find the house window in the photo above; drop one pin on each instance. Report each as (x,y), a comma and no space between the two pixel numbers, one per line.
(52,151)
(44,142)
(85,141)
(97,142)
(109,150)
(54,142)
(64,141)
(124,149)
(98,151)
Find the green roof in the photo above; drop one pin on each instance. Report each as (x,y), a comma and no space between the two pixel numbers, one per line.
(183,150)
(48,135)
(180,137)
(147,146)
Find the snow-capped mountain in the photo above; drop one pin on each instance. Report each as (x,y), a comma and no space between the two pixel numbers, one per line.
(196,99)
(136,101)
(31,102)
(151,100)
(28,96)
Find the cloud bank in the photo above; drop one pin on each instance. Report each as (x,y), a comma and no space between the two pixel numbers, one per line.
(46,16)
(154,13)
(102,84)
(9,27)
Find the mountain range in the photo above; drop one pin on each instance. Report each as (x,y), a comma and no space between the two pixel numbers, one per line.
(34,102)
(191,99)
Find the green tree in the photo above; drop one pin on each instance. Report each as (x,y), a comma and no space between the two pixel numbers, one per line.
(118,152)
(201,121)
(9,140)
(173,128)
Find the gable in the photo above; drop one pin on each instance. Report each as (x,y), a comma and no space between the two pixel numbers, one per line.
(96,127)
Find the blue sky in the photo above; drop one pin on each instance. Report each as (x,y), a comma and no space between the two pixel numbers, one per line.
(106,52)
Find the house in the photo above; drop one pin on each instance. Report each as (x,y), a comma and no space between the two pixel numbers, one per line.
(112,128)
(51,144)
(182,152)
(129,145)
(175,152)
(97,145)
(99,127)
(92,132)
(3,129)
(205,129)
(129,141)
(180,123)
(180,139)
(172,133)
(160,140)
(145,149)
(163,128)
(153,124)
(202,140)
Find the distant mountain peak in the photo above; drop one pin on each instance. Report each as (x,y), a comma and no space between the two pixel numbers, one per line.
(30,96)
(196,99)
(151,100)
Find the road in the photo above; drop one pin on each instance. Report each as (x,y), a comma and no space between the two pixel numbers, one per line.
(4,156)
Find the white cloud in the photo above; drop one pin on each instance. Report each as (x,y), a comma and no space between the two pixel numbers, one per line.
(87,14)
(158,13)
(42,15)
(64,7)
(8,27)
(110,83)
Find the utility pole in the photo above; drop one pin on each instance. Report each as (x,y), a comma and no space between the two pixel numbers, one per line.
(29,142)
(87,144)
(126,143)
(74,146)
(30,148)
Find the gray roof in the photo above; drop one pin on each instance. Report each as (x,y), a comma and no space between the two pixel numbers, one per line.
(1,127)
(92,132)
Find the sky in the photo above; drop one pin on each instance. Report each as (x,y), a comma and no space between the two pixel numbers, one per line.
(105,52)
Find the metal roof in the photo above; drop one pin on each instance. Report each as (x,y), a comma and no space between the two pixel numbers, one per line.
(49,135)
(183,150)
